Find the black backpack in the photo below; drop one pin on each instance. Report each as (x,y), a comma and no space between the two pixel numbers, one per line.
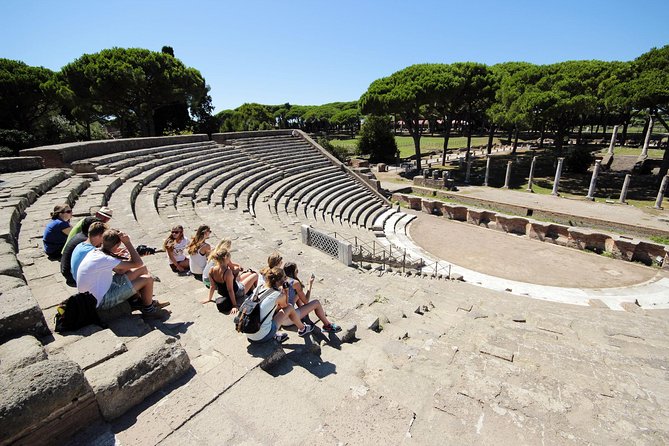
(248,318)
(76,312)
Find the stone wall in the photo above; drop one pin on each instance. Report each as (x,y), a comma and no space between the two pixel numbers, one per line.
(560,218)
(223,138)
(619,247)
(21,163)
(61,155)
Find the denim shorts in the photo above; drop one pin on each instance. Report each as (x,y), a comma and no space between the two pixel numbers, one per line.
(272,331)
(120,290)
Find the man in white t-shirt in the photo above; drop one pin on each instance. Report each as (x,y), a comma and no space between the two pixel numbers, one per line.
(113,280)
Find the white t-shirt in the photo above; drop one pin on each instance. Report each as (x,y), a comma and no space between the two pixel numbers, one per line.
(180,250)
(95,274)
(266,306)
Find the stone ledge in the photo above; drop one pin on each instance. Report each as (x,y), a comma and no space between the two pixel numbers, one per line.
(124,381)
(19,353)
(31,395)
(20,314)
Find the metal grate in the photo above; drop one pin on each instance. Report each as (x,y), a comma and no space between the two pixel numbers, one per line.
(325,243)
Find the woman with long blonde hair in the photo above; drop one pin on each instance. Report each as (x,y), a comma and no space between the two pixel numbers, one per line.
(223,281)
(198,249)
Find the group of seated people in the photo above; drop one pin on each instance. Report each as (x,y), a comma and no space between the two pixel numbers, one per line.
(278,285)
(104,262)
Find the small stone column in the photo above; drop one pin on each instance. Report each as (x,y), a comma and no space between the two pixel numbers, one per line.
(558,172)
(529,182)
(646,142)
(613,139)
(626,185)
(660,193)
(468,173)
(487,170)
(593,181)
(507,178)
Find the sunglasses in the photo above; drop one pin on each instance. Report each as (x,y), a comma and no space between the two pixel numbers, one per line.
(69,211)
(177,232)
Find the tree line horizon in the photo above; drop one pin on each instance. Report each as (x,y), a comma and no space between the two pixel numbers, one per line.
(140,92)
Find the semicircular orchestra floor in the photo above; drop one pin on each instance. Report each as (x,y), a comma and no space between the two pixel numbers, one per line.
(521,259)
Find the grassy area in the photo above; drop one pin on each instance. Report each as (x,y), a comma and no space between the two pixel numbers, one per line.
(634,151)
(427,143)
(642,204)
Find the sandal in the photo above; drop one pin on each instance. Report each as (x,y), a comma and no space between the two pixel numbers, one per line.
(332,328)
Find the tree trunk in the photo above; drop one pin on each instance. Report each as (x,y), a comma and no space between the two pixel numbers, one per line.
(542,134)
(559,140)
(447,135)
(491,137)
(414,129)
(515,141)
(664,167)
(88,130)
(510,138)
(469,139)
(645,128)
(624,135)
(580,134)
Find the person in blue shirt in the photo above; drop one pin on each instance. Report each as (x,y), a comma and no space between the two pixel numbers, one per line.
(94,240)
(56,231)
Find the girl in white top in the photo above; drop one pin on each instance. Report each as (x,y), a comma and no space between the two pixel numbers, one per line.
(175,245)
(277,298)
(198,250)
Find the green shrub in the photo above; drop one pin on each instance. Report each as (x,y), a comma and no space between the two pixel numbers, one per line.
(6,152)
(341,153)
(377,140)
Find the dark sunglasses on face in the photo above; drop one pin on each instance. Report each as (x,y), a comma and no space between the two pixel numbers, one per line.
(176,232)
(69,211)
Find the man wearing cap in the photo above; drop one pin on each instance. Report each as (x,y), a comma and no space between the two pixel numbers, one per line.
(104,214)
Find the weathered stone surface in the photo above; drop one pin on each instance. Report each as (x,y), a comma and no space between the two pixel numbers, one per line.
(455,212)
(20,314)
(30,395)
(9,265)
(20,352)
(94,349)
(497,352)
(124,381)
(621,248)
(514,225)
(480,217)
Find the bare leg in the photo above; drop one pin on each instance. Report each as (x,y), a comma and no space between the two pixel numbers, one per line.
(288,314)
(136,272)
(144,286)
(250,280)
(315,306)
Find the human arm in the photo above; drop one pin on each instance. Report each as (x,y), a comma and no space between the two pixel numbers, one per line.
(135,259)
(302,297)
(173,259)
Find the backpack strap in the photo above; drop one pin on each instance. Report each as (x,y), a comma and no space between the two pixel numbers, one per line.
(260,299)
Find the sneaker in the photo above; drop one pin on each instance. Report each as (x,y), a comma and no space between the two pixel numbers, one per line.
(308,328)
(332,328)
(281,337)
(183,273)
(136,304)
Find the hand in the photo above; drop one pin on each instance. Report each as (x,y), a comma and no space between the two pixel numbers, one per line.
(125,238)
(234,310)
(180,268)
(311,280)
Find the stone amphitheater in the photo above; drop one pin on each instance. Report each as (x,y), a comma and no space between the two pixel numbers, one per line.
(422,359)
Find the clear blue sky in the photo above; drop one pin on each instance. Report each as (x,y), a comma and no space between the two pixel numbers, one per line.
(314,52)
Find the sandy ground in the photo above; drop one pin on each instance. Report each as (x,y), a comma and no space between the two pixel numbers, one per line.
(519,258)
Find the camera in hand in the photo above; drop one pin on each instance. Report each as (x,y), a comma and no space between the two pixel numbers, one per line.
(285,285)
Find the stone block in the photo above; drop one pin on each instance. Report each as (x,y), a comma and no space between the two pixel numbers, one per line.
(9,265)
(480,217)
(415,203)
(20,352)
(557,234)
(621,248)
(20,314)
(581,238)
(455,212)
(37,394)
(95,349)
(428,205)
(649,253)
(513,225)
(124,381)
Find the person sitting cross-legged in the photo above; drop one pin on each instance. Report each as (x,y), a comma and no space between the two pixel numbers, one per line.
(175,245)
(297,297)
(112,280)
(274,296)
